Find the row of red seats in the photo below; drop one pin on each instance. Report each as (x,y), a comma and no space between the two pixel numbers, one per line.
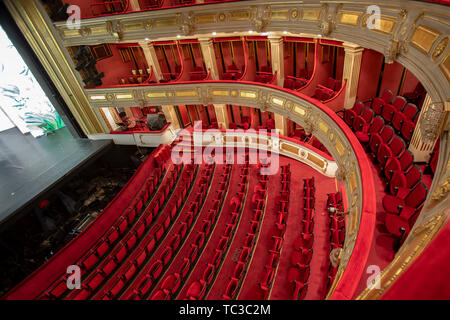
(143,280)
(298,273)
(148,225)
(364,120)
(337,231)
(247,248)
(265,75)
(117,231)
(278,232)
(197,289)
(174,281)
(388,150)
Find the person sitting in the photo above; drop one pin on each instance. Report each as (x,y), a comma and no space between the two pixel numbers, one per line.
(126,122)
(156,121)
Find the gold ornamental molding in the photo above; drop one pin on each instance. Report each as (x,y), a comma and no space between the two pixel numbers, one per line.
(39,35)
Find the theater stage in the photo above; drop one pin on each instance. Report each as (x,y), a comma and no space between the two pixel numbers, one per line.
(29,167)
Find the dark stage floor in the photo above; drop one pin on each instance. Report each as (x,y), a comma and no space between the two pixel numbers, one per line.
(30,166)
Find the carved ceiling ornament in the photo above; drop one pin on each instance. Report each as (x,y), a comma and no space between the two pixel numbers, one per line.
(440,48)
(341,173)
(328,23)
(148,24)
(186,23)
(114,27)
(85,31)
(308,127)
(392,51)
(260,18)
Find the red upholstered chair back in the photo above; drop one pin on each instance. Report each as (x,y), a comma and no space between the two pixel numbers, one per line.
(406,159)
(367,115)
(377,124)
(408,129)
(387,133)
(417,195)
(387,96)
(399,103)
(413,176)
(397,146)
(358,107)
(410,111)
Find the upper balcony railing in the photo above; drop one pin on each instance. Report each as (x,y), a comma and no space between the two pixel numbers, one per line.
(414,34)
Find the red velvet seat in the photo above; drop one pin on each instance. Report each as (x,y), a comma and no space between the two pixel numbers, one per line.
(244,255)
(166,255)
(208,274)
(299,291)
(156,269)
(230,291)
(401,183)
(377,139)
(145,285)
(184,268)
(402,163)
(238,270)
(193,252)
(298,273)
(377,106)
(304,240)
(337,236)
(160,295)
(410,111)
(301,257)
(408,130)
(398,120)
(413,199)
(308,226)
(337,223)
(350,114)
(171,283)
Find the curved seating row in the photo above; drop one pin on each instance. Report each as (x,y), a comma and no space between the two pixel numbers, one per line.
(198,288)
(300,270)
(337,231)
(258,204)
(277,236)
(142,279)
(139,241)
(172,283)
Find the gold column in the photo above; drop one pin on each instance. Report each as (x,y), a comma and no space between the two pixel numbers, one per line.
(419,146)
(151,58)
(222,115)
(209,56)
(352,67)
(171,116)
(277,58)
(280,124)
(38,30)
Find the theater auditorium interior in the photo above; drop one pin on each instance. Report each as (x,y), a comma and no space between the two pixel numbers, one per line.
(225,150)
